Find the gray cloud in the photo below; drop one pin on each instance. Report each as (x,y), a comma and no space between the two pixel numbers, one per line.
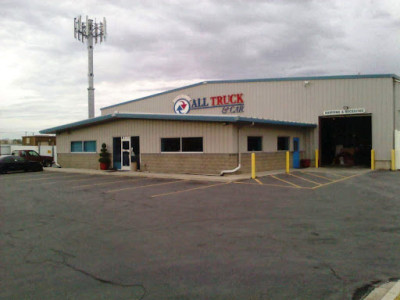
(157,45)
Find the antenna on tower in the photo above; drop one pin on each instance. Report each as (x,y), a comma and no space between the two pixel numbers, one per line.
(87,31)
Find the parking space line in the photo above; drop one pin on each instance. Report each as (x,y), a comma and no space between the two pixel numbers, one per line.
(107,182)
(286,181)
(143,186)
(268,184)
(68,180)
(341,179)
(338,175)
(41,178)
(312,174)
(188,190)
(259,182)
(24,176)
(305,179)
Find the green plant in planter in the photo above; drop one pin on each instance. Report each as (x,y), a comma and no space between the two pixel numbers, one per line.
(104,157)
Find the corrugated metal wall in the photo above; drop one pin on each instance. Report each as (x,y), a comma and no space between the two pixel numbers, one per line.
(294,101)
(270,135)
(397,104)
(217,138)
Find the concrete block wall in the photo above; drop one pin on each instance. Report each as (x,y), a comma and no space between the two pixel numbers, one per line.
(79,161)
(267,161)
(192,163)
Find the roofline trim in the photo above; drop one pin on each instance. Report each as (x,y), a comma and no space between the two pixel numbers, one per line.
(172,117)
(394,76)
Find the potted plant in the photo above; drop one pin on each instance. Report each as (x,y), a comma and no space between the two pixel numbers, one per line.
(104,158)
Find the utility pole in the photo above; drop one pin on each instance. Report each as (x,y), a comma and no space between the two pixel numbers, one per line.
(88,31)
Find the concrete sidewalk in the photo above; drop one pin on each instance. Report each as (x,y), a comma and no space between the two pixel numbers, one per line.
(216,178)
(386,291)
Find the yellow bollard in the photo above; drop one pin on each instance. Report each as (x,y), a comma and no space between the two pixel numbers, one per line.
(316,158)
(372,159)
(393,160)
(287,162)
(253,166)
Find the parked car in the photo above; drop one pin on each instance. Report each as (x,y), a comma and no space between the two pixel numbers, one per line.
(32,155)
(15,163)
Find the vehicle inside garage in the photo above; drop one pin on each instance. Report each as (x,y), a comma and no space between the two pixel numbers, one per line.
(345,140)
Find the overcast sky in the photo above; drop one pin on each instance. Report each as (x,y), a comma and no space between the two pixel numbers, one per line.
(154,46)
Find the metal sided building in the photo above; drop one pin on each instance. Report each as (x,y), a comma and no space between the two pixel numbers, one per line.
(212,127)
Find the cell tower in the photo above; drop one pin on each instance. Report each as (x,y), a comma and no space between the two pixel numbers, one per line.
(88,31)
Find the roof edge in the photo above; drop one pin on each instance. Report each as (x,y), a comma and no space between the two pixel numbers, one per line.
(174,117)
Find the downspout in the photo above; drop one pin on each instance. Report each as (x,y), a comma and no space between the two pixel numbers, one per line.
(395,121)
(239,156)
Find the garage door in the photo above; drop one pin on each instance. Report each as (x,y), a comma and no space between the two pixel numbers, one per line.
(345,140)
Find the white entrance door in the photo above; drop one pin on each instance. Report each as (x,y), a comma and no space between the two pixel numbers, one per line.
(125,153)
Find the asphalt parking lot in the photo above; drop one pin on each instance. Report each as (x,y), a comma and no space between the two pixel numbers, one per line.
(308,235)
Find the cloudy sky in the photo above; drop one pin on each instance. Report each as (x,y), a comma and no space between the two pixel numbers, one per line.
(154,46)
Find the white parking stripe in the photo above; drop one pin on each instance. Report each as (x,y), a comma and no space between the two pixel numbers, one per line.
(108,182)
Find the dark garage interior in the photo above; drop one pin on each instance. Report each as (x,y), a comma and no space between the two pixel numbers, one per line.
(345,140)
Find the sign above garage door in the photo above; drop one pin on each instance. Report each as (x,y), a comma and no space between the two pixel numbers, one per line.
(349,111)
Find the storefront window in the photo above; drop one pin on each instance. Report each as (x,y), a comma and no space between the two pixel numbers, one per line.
(186,144)
(89,146)
(254,143)
(194,144)
(283,143)
(170,144)
(83,146)
(76,146)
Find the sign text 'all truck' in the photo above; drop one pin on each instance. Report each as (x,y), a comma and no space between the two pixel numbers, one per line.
(232,103)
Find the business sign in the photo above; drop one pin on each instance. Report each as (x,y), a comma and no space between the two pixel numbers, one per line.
(349,111)
(229,104)
(182,104)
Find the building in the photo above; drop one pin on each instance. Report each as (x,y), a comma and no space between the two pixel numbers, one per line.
(39,140)
(214,126)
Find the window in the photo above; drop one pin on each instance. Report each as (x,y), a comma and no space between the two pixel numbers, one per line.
(170,144)
(194,144)
(89,146)
(76,146)
(33,153)
(86,146)
(254,143)
(283,143)
(186,144)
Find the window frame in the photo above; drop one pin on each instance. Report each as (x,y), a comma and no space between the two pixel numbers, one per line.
(287,143)
(194,137)
(170,138)
(181,145)
(261,143)
(86,142)
(82,148)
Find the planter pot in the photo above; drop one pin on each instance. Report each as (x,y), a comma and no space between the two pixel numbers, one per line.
(104,166)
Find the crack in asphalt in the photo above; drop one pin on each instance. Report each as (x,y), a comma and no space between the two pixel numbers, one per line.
(64,255)
(335,274)
(93,276)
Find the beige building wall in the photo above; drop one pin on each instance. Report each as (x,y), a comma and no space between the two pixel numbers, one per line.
(219,142)
(295,101)
(217,138)
(270,136)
